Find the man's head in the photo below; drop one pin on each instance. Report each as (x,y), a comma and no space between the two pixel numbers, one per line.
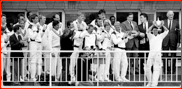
(34,18)
(112,19)
(107,26)
(130,17)
(21,17)
(81,16)
(56,17)
(102,14)
(117,26)
(90,28)
(69,24)
(29,14)
(99,21)
(143,17)
(3,18)
(170,15)
(155,31)
(22,23)
(42,19)
(55,25)
(16,29)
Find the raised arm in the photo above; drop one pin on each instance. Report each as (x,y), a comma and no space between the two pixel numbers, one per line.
(150,29)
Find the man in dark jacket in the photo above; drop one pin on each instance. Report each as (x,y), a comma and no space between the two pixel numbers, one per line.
(132,45)
(16,44)
(143,39)
(172,40)
(66,44)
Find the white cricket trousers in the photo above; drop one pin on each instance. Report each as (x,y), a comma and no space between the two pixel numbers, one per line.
(74,56)
(24,61)
(56,63)
(108,63)
(35,59)
(120,63)
(2,64)
(47,57)
(154,60)
(7,64)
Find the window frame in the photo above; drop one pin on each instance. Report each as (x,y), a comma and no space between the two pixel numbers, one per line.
(25,12)
(147,12)
(95,11)
(179,11)
(139,12)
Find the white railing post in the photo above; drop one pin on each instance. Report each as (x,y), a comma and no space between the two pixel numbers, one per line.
(168,78)
(50,73)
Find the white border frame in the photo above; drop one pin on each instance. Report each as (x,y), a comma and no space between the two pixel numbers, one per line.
(63,15)
(129,11)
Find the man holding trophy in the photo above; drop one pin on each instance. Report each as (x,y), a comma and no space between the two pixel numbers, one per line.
(154,59)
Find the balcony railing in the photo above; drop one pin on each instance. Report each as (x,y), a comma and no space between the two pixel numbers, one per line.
(86,72)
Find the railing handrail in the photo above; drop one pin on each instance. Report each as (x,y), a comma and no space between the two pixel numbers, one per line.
(68,51)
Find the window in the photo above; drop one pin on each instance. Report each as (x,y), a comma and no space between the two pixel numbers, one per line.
(90,15)
(151,16)
(162,15)
(121,16)
(49,14)
(12,17)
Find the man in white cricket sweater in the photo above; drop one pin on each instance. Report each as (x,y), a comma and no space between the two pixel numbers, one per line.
(56,62)
(79,29)
(120,62)
(154,58)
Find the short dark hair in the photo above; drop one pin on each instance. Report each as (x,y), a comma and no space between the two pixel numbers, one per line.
(130,13)
(90,25)
(111,17)
(54,16)
(144,15)
(21,15)
(3,15)
(33,17)
(28,14)
(16,28)
(101,11)
(55,23)
(68,24)
(154,28)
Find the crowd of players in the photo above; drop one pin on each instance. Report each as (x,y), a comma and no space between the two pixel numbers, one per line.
(102,34)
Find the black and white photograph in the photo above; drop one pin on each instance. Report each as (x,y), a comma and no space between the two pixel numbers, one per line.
(97,44)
